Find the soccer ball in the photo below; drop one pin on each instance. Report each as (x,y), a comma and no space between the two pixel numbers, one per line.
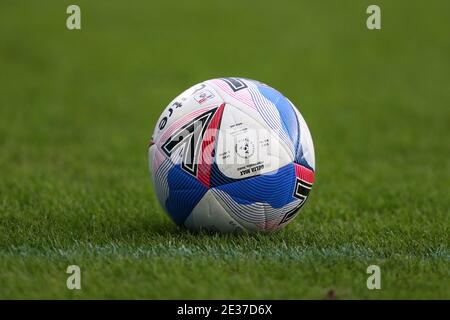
(230,155)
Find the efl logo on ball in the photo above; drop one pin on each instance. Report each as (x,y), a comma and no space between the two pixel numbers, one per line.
(232,154)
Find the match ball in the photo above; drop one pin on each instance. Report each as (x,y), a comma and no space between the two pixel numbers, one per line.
(231,155)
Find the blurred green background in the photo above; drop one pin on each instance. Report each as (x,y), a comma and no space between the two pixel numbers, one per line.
(77,109)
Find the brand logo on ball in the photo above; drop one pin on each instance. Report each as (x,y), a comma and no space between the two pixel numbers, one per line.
(204,96)
(301,192)
(187,140)
(245,148)
(235,83)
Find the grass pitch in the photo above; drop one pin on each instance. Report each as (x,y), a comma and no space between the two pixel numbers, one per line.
(77,109)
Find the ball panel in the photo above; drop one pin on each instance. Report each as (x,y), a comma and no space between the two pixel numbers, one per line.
(185,192)
(255,205)
(159,175)
(253,201)
(305,153)
(262,188)
(286,118)
(255,99)
(210,215)
(245,148)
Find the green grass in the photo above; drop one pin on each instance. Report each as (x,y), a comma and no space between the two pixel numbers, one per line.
(77,109)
